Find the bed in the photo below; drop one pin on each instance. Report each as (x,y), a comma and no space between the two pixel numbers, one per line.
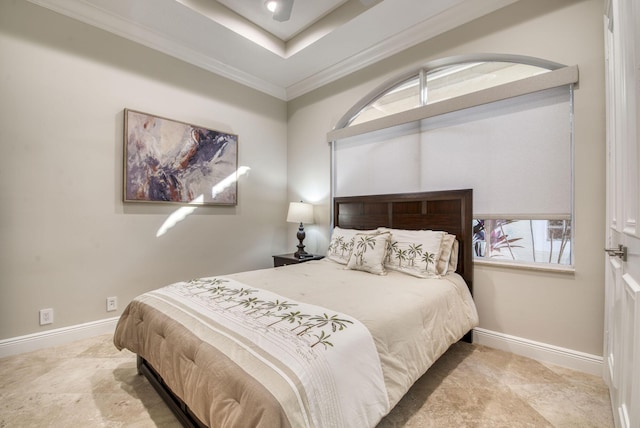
(331,342)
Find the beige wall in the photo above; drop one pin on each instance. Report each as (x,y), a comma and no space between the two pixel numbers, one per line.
(66,239)
(565,310)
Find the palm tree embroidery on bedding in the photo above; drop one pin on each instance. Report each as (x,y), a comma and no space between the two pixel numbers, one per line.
(409,255)
(266,313)
(364,242)
(339,244)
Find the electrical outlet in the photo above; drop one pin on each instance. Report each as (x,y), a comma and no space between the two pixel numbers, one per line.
(112,304)
(46,316)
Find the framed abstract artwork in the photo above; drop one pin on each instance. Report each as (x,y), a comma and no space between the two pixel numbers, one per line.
(170,161)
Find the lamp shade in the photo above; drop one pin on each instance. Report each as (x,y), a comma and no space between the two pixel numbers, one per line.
(300,212)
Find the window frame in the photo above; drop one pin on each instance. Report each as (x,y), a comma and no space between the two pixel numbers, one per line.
(421,73)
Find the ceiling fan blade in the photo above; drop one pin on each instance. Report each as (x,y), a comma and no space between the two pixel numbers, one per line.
(283,11)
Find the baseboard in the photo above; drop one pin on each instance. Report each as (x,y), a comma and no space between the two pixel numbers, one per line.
(59,336)
(542,352)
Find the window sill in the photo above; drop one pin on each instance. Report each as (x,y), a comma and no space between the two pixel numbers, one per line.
(564,269)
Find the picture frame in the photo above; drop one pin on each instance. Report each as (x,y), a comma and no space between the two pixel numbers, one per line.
(170,161)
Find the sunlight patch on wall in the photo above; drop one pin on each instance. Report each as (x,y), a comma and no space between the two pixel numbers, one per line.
(183,212)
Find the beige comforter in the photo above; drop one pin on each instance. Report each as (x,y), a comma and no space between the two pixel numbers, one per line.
(412,322)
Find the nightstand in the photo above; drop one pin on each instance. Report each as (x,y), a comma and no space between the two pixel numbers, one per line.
(290,259)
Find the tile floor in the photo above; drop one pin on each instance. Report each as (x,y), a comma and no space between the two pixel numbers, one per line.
(91,384)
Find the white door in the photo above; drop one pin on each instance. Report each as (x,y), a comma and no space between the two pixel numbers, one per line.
(622,289)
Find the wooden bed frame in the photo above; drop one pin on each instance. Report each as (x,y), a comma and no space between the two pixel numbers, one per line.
(449,211)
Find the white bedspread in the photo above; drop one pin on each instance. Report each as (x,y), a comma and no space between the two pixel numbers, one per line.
(413,320)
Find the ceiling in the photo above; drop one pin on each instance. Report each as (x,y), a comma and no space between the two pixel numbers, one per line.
(323,40)
(304,14)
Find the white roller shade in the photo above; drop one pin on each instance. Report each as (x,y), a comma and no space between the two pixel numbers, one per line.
(516,154)
(382,163)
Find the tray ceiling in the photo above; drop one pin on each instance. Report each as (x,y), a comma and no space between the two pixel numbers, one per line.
(323,41)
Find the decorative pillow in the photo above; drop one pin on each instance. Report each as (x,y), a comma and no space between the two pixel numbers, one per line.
(415,252)
(442,266)
(368,253)
(453,260)
(342,241)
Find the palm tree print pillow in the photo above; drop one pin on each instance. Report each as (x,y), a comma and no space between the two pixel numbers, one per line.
(342,243)
(368,253)
(415,252)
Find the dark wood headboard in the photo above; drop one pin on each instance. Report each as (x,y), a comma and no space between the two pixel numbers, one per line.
(449,211)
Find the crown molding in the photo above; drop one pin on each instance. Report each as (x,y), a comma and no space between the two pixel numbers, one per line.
(160,38)
(413,36)
(90,14)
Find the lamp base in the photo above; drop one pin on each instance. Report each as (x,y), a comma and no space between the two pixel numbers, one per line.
(301,253)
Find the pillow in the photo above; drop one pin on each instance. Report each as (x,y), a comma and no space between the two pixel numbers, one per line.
(442,266)
(453,260)
(415,252)
(342,243)
(368,253)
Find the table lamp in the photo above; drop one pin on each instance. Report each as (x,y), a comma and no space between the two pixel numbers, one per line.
(300,212)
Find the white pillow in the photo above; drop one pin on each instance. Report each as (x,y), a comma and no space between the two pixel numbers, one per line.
(453,260)
(368,253)
(442,266)
(342,243)
(415,252)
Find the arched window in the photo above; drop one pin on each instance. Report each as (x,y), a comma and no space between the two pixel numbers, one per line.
(499,124)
